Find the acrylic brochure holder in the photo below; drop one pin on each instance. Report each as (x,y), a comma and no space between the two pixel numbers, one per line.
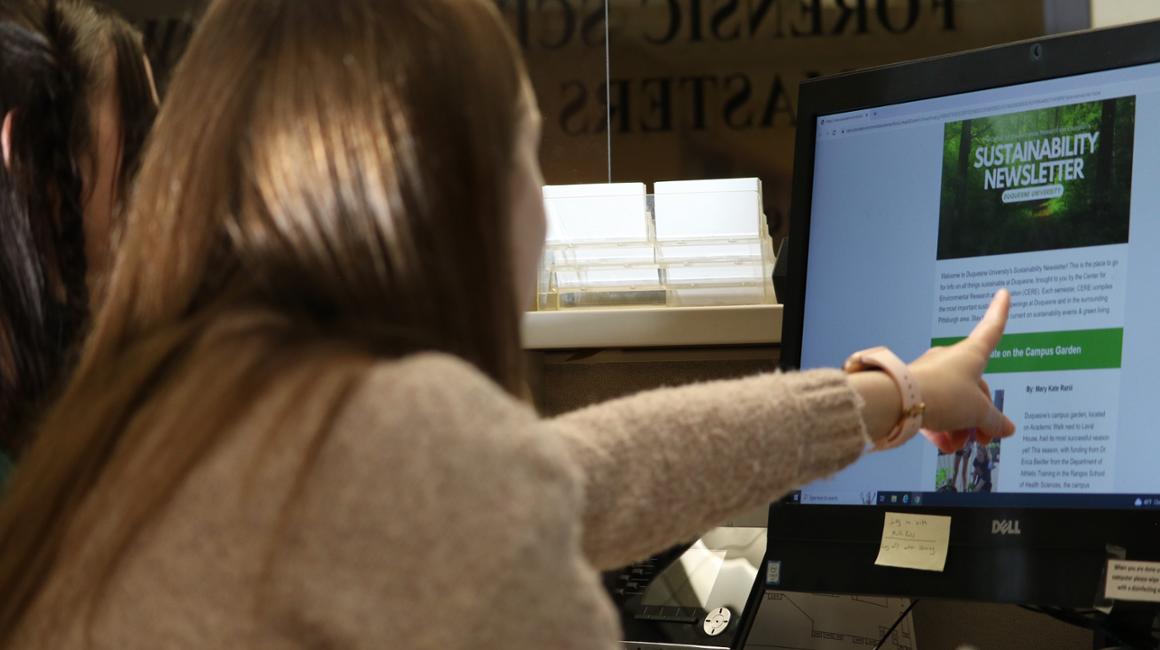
(689,244)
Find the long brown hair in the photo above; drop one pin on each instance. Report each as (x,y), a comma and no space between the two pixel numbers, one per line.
(327,185)
(56,58)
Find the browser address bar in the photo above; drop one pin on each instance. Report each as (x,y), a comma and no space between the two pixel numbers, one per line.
(978,110)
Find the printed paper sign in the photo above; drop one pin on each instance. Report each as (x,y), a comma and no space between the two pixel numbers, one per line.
(1139,581)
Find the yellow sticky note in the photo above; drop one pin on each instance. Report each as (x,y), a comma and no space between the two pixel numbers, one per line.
(915,542)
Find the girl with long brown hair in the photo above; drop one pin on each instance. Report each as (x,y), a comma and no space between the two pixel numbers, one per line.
(295,424)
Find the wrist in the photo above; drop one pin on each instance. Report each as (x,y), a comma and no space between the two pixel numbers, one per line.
(905,400)
(928,380)
(881,404)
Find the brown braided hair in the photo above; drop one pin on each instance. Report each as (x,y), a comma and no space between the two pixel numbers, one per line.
(54,56)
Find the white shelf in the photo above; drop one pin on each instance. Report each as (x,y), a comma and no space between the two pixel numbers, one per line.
(652,327)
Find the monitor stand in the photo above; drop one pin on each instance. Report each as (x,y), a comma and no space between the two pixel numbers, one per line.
(1131,626)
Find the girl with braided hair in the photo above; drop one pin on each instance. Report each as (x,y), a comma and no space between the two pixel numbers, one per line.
(76,102)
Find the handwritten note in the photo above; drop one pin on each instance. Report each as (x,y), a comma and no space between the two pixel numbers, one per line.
(1138,581)
(915,542)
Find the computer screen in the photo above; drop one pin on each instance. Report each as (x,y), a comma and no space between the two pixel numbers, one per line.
(919,190)
(921,210)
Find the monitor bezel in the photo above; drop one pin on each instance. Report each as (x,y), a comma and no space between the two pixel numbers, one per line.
(846,537)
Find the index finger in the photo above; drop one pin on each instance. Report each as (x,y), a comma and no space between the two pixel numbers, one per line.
(948,442)
(989,330)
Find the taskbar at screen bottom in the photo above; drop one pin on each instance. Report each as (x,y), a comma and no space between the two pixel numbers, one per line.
(977,500)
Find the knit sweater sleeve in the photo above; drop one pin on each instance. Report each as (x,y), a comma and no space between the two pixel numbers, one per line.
(662,466)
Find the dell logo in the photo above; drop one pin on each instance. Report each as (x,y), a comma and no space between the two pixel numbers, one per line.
(1005,527)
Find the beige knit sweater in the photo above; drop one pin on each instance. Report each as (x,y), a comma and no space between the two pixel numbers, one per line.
(441,514)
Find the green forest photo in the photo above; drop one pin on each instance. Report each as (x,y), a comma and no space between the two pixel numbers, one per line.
(1038,180)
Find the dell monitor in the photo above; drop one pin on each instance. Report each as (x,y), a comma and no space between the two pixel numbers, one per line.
(920,189)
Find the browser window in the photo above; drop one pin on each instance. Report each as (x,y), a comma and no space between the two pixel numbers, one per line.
(921,211)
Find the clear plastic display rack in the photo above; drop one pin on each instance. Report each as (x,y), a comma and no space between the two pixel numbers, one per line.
(688,244)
